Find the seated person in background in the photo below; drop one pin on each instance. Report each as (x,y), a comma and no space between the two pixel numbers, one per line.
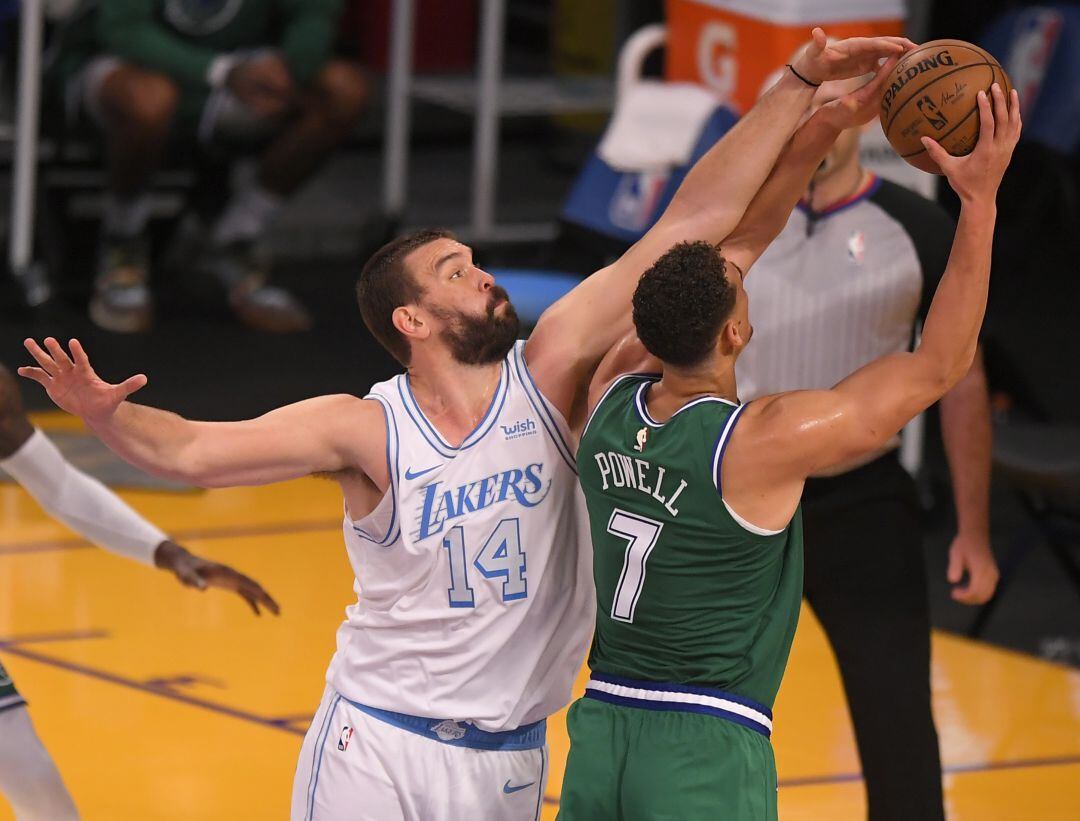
(236,73)
(29,779)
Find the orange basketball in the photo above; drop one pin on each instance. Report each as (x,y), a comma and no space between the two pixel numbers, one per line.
(932,94)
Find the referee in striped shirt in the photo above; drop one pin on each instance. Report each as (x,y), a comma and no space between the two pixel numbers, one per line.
(845,283)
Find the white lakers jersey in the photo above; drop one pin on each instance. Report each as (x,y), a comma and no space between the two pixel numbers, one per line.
(473,576)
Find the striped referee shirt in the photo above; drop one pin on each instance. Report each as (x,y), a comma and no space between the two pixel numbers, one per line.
(841,287)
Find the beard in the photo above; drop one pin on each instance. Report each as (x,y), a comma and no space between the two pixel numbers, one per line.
(480,340)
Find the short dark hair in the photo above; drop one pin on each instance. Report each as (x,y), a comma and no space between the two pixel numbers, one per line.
(385,284)
(682,302)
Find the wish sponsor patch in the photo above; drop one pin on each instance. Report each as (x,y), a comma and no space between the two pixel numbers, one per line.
(520,429)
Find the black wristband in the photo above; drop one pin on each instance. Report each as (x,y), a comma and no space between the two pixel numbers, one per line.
(793,71)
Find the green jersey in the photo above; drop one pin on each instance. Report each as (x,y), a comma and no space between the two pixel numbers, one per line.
(180,38)
(687,593)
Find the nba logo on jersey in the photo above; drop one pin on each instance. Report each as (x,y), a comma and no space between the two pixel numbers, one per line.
(856,247)
(642,437)
(344,738)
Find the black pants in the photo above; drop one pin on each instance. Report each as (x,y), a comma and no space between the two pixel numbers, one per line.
(866,581)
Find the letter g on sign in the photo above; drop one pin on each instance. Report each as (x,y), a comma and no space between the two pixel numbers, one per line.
(716,59)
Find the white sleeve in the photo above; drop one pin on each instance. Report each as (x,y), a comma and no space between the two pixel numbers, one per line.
(80,501)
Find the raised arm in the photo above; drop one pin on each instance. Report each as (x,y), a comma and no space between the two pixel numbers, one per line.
(787,437)
(767,213)
(575,333)
(329,434)
(770,208)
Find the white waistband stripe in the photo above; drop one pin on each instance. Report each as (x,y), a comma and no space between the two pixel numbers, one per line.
(670,696)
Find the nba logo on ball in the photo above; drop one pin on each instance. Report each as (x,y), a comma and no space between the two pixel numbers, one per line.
(932,113)
(933,92)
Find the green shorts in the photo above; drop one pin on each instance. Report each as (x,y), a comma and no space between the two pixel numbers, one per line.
(9,696)
(636,764)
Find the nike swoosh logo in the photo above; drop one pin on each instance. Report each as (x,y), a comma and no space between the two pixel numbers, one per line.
(409,475)
(508,789)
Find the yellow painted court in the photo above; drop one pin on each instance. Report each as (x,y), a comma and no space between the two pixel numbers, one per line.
(158,702)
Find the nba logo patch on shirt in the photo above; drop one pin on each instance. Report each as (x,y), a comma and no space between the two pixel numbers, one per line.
(856,247)
(344,738)
(642,438)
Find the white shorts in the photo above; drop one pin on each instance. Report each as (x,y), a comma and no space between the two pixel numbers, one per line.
(358,767)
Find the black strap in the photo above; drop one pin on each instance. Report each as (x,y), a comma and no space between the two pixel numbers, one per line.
(793,71)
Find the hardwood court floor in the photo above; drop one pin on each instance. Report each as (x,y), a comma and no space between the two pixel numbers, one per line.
(158,702)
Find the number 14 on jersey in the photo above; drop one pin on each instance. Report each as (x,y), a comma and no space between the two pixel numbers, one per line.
(500,557)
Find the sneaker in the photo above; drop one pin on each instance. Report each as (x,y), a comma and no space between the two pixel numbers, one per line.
(257,304)
(122,301)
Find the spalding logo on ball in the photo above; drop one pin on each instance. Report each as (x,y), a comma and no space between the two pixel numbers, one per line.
(932,93)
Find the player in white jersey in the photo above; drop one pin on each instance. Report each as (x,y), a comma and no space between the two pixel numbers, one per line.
(463,520)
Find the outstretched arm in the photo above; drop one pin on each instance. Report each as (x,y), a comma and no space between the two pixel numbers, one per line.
(575,333)
(328,434)
(790,436)
(92,510)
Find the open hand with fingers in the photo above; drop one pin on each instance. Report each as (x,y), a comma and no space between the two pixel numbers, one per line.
(860,106)
(821,60)
(194,571)
(976,176)
(72,384)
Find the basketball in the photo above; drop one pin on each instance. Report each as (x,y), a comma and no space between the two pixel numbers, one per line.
(932,93)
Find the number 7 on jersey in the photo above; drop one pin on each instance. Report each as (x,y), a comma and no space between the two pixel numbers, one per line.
(641,535)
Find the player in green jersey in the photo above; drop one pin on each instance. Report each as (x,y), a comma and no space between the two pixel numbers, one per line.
(695,521)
